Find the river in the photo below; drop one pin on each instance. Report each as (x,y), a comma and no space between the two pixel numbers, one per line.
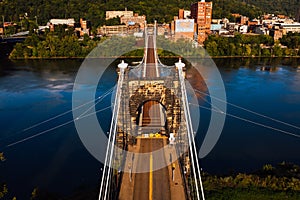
(32,91)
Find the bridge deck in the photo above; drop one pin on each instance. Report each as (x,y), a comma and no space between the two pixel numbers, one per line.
(154,184)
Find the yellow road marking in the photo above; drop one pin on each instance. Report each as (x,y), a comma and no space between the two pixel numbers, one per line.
(150,178)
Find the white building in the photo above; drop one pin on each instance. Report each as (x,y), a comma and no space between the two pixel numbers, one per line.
(69,22)
(243,29)
(114,14)
(294,27)
(261,30)
(186,14)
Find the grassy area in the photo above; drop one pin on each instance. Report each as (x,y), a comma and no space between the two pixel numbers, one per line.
(251,194)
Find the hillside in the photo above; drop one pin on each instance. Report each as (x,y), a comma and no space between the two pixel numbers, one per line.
(162,10)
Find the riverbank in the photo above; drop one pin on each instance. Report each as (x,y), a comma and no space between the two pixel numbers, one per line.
(277,183)
(164,57)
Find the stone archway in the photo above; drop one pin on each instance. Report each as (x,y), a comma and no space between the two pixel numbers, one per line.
(161,94)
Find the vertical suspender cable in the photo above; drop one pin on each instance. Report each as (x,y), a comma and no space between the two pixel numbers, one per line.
(111,137)
(192,146)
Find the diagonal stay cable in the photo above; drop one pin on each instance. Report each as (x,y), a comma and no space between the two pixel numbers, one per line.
(53,128)
(250,111)
(249,121)
(98,100)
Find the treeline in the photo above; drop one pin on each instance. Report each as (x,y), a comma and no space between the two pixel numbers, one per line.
(280,182)
(286,7)
(161,10)
(253,45)
(254,8)
(61,43)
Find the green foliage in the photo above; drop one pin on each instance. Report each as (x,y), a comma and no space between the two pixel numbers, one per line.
(224,8)
(250,194)
(2,157)
(252,45)
(161,10)
(113,21)
(291,40)
(3,191)
(268,168)
(34,194)
(115,47)
(58,44)
(281,182)
(182,47)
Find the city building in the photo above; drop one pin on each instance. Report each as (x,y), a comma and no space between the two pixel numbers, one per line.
(184,28)
(216,27)
(243,20)
(114,14)
(243,29)
(69,22)
(181,14)
(163,29)
(276,33)
(7,24)
(135,20)
(113,30)
(201,12)
(261,30)
(294,27)
(84,27)
(184,14)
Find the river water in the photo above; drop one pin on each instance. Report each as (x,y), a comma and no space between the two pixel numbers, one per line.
(56,161)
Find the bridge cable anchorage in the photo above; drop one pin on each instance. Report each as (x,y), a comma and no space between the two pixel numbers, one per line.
(100,98)
(179,65)
(53,128)
(217,110)
(250,111)
(112,135)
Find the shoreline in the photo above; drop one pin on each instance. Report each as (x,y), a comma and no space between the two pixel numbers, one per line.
(133,57)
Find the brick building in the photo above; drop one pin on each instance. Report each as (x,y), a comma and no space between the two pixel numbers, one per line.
(114,14)
(134,20)
(201,12)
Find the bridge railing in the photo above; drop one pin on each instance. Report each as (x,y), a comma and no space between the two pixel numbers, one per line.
(106,181)
(190,133)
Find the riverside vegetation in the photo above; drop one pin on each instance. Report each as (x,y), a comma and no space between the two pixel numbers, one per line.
(253,45)
(28,14)
(277,183)
(64,44)
(161,10)
(61,43)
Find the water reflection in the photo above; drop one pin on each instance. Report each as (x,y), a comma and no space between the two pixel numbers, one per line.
(35,90)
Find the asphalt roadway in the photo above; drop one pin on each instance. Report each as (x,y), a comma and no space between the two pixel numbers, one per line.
(155,184)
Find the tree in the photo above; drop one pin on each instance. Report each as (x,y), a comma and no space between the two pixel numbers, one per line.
(212,48)
(266,52)
(231,49)
(2,157)
(247,50)
(277,50)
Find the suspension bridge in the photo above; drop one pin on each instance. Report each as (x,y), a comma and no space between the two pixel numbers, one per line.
(151,121)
